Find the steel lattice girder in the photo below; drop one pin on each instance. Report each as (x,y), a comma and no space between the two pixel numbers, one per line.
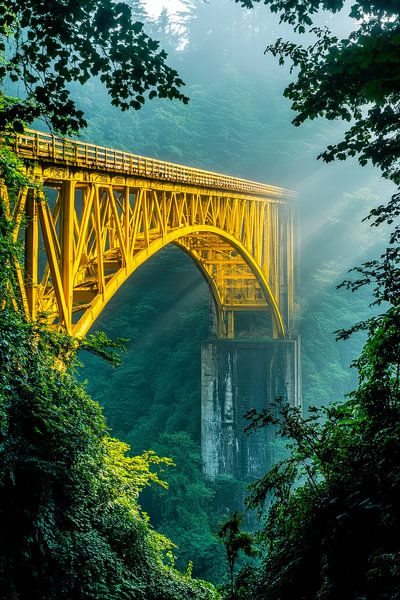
(86,231)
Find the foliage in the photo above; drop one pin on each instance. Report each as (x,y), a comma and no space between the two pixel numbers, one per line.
(235,541)
(48,45)
(329,511)
(101,345)
(142,398)
(183,512)
(332,527)
(70,519)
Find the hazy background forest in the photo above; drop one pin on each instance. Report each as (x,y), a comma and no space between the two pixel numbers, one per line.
(236,122)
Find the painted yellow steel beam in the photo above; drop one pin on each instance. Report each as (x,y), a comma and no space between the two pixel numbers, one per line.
(31,253)
(47,148)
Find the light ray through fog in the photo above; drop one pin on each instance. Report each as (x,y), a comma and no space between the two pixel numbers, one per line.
(167,319)
(154,7)
(320,196)
(194,294)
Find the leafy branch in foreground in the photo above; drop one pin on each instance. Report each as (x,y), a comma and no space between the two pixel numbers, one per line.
(330,524)
(45,46)
(101,345)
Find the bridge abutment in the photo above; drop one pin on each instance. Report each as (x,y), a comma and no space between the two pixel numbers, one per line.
(236,376)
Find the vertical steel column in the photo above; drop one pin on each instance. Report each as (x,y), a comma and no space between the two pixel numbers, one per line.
(126,217)
(67,246)
(290,267)
(31,253)
(99,242)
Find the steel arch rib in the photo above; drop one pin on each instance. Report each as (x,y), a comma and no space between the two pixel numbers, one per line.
(99,302)
(205,274)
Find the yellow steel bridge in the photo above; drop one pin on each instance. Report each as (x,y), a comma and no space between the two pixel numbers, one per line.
(97,214)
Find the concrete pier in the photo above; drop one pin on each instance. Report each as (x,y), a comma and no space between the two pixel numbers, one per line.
(238,375)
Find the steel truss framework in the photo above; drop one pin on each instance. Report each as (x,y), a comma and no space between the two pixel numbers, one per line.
(86,229)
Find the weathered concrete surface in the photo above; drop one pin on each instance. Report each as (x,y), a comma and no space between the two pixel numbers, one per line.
(236,377)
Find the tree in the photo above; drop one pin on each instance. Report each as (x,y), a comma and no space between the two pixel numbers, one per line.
(69,515)
(182,512)
(235,541)
(46,46)
(330,522)
(329,511)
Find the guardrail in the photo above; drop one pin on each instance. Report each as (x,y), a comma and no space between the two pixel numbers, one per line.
(35,145)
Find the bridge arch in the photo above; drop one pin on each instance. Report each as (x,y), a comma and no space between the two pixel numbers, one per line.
(178,237)
(109,211)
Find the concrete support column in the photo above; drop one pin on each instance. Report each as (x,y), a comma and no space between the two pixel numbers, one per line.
(238,376)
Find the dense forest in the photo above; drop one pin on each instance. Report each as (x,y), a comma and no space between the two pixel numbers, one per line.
(236,122)
(78,488)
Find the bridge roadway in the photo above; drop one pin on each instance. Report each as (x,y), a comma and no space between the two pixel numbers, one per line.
(95,214)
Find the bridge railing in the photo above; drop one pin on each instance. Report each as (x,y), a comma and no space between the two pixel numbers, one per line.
(45,147)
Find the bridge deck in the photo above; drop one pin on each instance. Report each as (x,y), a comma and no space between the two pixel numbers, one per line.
(47,148)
